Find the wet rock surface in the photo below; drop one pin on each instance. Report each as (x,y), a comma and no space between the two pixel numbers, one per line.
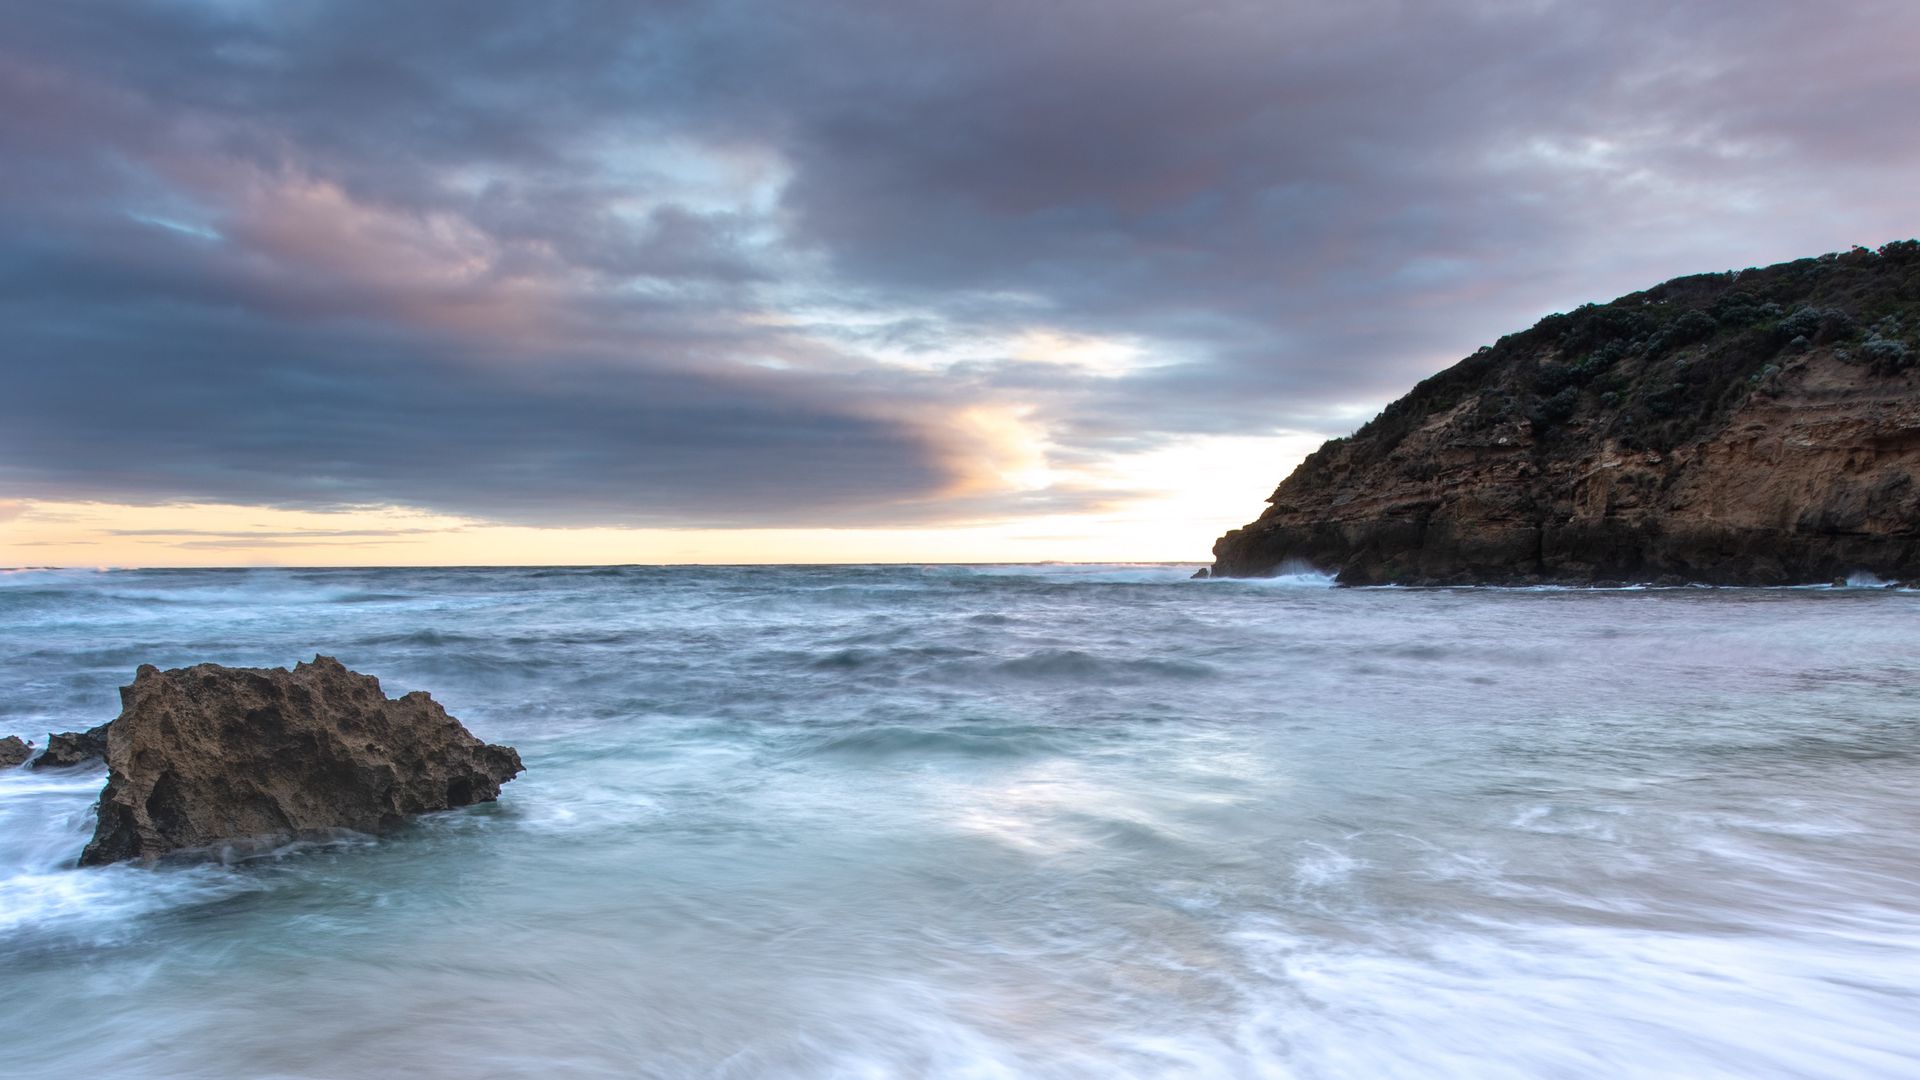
(1751,428)
(210,755)
(69,748)
(13,751)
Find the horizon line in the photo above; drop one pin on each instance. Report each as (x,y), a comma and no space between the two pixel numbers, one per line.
(632,565)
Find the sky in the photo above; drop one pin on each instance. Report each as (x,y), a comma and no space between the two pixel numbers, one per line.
(480,282)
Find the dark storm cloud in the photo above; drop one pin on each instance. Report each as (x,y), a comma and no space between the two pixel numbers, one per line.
(753,264)
(156,405)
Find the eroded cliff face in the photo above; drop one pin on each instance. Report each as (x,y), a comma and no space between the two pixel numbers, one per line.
(1751,428)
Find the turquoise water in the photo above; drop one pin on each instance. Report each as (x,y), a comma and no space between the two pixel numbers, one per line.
(1007,822)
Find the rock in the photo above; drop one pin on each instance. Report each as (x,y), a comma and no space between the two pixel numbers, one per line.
(211,755)
(1673,434)
(13,751)
(1201,574)
(74,748)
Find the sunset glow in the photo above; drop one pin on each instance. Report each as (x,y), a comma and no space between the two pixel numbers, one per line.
(1180,490)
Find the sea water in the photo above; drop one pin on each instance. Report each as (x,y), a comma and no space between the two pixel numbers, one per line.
(1006,822)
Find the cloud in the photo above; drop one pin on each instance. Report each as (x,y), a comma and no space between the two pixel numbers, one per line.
(240,411)
(854,263)
(283,534)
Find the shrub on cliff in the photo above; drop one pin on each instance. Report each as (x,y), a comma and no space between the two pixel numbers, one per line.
(1887,355)
(1817,325)
(1694,326)
(1553,411)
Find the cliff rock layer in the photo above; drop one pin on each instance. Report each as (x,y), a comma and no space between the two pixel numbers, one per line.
(209,754)
(1759,427)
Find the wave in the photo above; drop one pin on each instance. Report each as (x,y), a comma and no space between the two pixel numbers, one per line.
(919,743)
(867,659)
(1076,665)
(428,638)
(105,905)
(42,577)
(1302,577)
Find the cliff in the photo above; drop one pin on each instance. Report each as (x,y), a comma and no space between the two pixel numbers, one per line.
(1754,427)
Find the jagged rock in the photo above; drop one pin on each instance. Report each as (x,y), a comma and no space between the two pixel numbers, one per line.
(13,751)
(207,755)
(1751,428)
(73,748)
(1200,575)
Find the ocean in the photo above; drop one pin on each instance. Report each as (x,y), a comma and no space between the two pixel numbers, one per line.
(1042,821)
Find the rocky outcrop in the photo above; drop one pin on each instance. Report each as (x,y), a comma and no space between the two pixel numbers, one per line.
(13,751)
(74,748)
(210,755)
(1760,427)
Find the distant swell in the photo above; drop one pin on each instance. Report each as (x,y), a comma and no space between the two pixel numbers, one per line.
(431,638)
(1075,665)
(906,742)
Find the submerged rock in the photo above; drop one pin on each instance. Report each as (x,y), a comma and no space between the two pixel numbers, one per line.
(1751,428)
(73,748)
(13,751)
(207,755)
